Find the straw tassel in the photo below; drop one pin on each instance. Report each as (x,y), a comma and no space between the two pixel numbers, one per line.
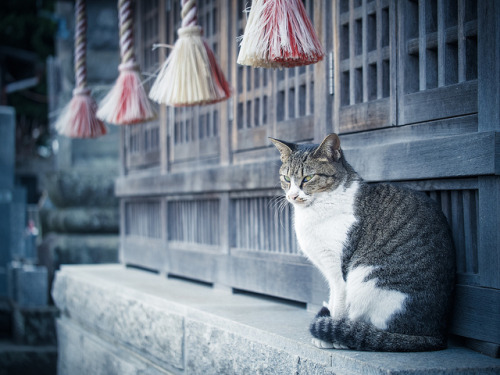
(191,75)
(78,119)
(127,102)
(279,34)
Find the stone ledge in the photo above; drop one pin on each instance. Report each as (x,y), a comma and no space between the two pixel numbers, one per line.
(179,327)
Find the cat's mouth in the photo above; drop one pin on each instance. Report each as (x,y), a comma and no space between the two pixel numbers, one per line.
(299,201)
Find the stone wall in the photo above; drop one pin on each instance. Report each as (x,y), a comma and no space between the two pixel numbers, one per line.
(117,320)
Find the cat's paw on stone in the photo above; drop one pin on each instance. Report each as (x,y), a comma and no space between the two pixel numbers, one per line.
(322,344)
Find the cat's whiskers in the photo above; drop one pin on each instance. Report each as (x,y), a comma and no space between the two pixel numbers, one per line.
(279,204)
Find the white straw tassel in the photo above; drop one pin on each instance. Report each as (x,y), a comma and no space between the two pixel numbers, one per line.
(187,76)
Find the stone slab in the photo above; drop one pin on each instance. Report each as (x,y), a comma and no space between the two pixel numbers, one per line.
(34,326)
(81,220)
(74,188)
(81,353)
(27,360)
(193,329)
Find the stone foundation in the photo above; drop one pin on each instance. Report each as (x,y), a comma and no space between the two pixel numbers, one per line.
(116,320)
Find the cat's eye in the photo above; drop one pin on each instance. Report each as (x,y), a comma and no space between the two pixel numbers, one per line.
(286,178)
(308,178)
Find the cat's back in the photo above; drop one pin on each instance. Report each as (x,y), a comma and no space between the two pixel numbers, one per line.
(392,206)
(398,226)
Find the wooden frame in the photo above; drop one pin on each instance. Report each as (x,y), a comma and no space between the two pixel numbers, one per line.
(423,111)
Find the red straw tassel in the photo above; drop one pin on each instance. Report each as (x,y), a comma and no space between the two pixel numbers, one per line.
(127,102)
(78,119)
(279,34)
(191,74)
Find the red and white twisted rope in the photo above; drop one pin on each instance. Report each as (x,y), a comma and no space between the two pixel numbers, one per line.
(126,35)
(189,13)
(80,46)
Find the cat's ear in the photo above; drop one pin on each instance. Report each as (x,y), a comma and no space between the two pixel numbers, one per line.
(329,148)
(284,148)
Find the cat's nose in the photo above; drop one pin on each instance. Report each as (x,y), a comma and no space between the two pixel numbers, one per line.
(293,196)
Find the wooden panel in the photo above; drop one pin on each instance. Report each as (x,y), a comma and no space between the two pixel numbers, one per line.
(477,313)
(196,265)
(194,221)
(443,102)
(143,219)
(263,224)
(364,64)
(437,59)
(276,278)
(144,252)
(143,145)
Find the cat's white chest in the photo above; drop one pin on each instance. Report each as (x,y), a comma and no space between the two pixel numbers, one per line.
(323,227)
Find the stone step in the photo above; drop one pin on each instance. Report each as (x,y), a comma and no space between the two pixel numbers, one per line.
(27,360)
(81,220)
(172,326)
(75,188)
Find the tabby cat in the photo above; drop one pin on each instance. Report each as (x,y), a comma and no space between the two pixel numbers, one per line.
(386,252)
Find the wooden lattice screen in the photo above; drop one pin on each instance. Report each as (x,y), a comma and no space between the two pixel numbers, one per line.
(405,84)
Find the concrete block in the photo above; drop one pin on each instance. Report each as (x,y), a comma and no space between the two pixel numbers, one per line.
(74,188)
(181,327)
(211,350)
(27,360)
(34,326)
(146,325)
(81,220)
(81,352)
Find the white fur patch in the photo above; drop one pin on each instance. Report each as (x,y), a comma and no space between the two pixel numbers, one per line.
(321,227)
(365,301)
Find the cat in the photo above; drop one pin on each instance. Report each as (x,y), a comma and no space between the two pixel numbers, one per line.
(386,252)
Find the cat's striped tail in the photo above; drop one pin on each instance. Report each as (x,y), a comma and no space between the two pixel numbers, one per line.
(359,335)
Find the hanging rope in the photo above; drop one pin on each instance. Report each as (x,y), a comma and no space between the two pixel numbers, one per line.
(127,102)
(189,13)
(78,119)
(81,45)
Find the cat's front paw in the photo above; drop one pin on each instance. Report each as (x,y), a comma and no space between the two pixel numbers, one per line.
(327,345)
(322,344)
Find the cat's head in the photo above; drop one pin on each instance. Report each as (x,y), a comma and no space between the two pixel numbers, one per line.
(308,170)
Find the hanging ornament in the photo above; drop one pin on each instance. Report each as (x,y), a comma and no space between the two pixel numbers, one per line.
(191,75)
(279,34)
(78,119)
(127,102)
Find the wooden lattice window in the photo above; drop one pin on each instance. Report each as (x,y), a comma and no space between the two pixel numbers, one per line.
(143,140)
(142,219)
(364,37)
(194,222)
(260,224)
(194,131)
(269,102)
(438,59)
(148,33)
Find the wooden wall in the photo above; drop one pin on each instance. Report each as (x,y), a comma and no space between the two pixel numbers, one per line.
(411,86)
